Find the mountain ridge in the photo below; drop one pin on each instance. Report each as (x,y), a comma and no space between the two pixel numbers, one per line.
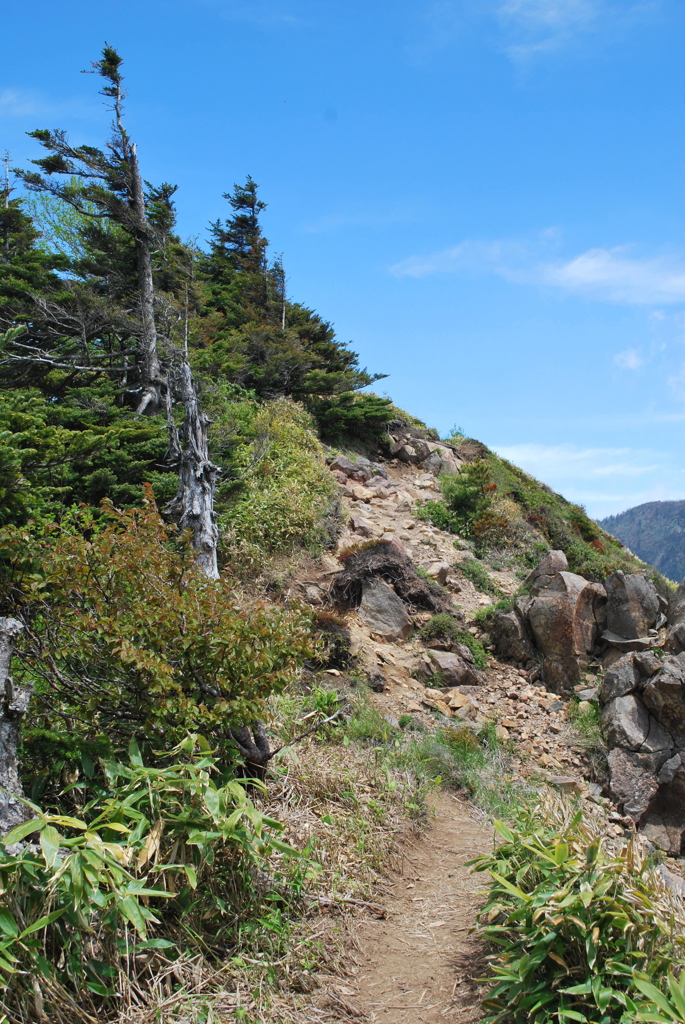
(655,532)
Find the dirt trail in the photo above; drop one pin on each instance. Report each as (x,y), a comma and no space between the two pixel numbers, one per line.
(415,966)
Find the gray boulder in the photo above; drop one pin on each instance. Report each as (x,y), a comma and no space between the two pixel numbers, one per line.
(664,824)
(675,639)
(623,645)
(620,679)
(676,606)
(647,663)
(633,783)
(632,605)
(664,695)
(626,723)
(545,571)
(566,618)
(454,667)
(383,611)
(510,638)
(359,470)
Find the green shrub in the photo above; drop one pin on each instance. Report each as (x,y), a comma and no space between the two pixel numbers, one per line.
(149,864)
(124,636)
(286,492)
(443,627)
(571,922)
(483,615)
(437,513)
(475,571)
(351,419)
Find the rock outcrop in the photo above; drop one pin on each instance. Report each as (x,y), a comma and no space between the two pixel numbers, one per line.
(383,611)
(566,619)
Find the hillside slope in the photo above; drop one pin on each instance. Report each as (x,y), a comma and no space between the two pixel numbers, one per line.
(655,531)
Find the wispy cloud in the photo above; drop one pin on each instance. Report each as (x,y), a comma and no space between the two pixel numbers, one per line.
(607,275)
(629,359)
(534,27)
(21,103)
(545,461)
(605,480)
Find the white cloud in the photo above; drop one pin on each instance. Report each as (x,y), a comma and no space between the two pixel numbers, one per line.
(533,27)
(608,275)
(629,359)
(547,461)
(27,103)
(605,480)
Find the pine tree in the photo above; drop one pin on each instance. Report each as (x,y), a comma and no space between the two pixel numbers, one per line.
(108,185)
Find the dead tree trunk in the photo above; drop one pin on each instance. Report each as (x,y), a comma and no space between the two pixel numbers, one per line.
(151,371)
(14,701)
(193,506)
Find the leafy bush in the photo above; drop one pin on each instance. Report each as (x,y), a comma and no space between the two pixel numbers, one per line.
(126,637)
(475,571)
(351,419)
(443,627)
(437,513)
(285,493)
(572,922)
(483,615)
(150,863)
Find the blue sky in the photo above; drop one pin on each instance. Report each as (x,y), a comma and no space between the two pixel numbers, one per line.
(484,196)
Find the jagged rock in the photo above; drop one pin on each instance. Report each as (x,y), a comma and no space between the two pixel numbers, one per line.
(664,695)
(676,606)
(669,770)
(383,611)
(354,470)
(565,619)
(657,738)
(440,460)
(360,493)
(407,453)
(361,526)
(674,883)
(647,663)
(633,782)
(675,639)
(620,679)
(313,595)
(545,571)
(510,638)
(376,680)
(626,722)
(454,668)
(623,645)
(664,824)
(439,571)
(632,605)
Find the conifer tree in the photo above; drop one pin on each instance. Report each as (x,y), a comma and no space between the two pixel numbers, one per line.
(108,185)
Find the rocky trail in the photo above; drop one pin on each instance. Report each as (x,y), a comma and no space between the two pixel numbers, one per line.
(420,961)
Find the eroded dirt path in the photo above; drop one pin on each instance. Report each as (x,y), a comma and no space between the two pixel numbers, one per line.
(416,965)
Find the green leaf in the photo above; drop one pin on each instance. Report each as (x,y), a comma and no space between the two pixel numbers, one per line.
(20,832)
(7,923)
(128,907)
(653,993)
(191,875)
(561,852)
(511,888)
(677,993)
(42,922)
(50,840)
(134,754)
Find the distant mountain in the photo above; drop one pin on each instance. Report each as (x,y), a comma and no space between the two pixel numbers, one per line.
(654,532)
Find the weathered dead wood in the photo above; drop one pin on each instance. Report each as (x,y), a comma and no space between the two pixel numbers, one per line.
(193,506)
(14,701)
